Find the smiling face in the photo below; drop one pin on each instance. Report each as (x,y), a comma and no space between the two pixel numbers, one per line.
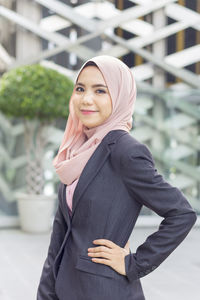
(91,99)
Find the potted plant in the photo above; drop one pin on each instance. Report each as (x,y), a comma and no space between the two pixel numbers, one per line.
(38,96)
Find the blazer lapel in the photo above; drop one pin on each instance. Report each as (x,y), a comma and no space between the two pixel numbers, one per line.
(92,167)
(65,206)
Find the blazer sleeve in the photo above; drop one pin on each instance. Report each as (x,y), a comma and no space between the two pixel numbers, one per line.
(46,288)
(148,187)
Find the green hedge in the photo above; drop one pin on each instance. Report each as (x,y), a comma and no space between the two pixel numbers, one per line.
(35,91)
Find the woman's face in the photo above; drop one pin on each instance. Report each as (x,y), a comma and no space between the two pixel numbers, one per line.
(91,99)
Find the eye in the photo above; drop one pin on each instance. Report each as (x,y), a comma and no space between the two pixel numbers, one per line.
(100,91)
(79,89)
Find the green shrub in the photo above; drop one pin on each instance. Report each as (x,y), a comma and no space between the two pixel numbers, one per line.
(35,91)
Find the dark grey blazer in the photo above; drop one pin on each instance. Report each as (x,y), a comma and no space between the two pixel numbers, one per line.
(119,178)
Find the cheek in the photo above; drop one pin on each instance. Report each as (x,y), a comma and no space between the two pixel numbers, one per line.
(75,102)
(107,108)
(110,108)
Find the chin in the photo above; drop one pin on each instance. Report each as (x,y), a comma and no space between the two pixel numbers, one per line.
(89,125)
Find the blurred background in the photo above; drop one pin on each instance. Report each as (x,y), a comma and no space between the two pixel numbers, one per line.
(43,43)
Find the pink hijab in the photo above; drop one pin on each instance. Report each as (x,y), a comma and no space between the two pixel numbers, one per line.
(79,142)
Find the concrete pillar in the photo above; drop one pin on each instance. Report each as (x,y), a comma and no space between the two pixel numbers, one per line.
(6,31)
(158,81)
(159,47)
(27,43)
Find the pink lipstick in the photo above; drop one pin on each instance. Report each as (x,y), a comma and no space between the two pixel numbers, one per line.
(87,112)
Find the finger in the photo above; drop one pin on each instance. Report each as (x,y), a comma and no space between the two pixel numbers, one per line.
(101,261)
(127,246)
(105,242)
(99,254)
(99,249)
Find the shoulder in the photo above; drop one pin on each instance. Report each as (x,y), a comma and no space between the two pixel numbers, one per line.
(127,146)
(131,157)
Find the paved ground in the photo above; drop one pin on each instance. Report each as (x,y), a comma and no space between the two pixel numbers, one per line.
(22,256)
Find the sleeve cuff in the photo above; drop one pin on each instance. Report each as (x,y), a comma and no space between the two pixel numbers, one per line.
(132,272)
(130,267)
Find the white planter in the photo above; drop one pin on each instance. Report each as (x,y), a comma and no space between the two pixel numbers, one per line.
(35,212)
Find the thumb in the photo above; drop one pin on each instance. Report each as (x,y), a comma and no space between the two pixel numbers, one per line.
(127,246)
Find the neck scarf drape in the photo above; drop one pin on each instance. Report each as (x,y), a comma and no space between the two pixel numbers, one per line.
(79,142)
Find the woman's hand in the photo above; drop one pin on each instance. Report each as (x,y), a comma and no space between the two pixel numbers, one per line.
(109,254)
(127,246)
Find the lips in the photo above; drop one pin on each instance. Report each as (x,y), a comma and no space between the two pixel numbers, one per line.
(87,111)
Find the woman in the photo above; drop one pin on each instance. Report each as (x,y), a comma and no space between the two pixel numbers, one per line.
(106,177)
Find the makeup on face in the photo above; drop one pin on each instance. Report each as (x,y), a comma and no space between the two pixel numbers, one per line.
(87,112)
(91,98)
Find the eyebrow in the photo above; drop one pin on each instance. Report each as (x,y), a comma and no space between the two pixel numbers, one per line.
(94,85)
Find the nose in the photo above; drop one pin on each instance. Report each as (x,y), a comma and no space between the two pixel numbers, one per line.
(87,98)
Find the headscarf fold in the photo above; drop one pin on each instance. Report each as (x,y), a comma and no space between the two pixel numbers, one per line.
(79,142)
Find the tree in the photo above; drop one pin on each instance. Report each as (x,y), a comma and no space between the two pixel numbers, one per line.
(37,95)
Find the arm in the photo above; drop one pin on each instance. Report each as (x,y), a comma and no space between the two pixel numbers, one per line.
(46,289)
(148,187)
